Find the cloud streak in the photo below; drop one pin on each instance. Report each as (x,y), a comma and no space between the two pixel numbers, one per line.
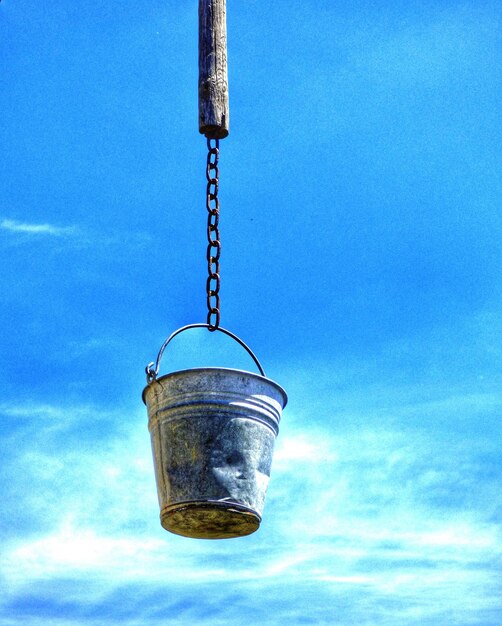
(25,228)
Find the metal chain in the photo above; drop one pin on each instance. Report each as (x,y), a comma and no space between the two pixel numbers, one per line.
(213,236)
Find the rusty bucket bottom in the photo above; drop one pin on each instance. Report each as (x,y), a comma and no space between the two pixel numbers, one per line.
(209,520)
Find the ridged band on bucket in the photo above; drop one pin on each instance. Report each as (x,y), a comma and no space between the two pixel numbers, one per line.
(213,432)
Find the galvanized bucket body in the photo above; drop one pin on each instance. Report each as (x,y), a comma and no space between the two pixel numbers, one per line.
(213,432)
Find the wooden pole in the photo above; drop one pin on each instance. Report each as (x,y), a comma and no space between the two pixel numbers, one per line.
(213,74)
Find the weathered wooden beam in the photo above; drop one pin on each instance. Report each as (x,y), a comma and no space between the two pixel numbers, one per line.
(213,73)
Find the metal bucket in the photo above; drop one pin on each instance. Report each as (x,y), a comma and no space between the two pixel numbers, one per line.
(213,432)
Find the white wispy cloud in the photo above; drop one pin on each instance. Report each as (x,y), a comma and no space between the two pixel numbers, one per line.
(350,513)
(36,229)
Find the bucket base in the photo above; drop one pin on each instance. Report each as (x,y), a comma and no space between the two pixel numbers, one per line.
(209,520)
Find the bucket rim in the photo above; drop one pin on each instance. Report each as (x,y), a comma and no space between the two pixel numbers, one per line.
(219,369)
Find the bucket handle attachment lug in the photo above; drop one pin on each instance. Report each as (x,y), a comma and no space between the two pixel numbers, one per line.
(152,369)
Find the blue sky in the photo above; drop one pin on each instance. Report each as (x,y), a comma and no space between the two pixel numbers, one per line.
(361,227)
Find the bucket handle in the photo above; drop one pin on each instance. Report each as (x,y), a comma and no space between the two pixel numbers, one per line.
(151,371)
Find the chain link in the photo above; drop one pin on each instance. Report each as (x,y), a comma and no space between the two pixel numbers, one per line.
(213,236)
